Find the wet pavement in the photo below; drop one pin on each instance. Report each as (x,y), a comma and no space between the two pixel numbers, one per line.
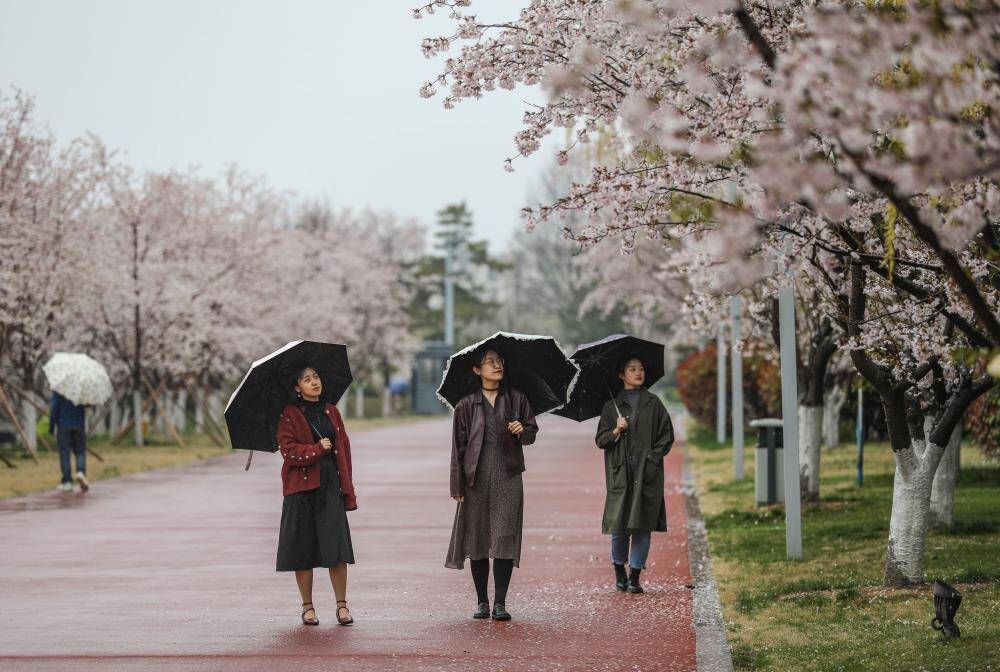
(174,570)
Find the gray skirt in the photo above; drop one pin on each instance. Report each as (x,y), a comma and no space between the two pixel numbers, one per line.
(314,530)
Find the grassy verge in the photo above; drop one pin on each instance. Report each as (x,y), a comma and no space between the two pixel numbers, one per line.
(123,459)
(829,611)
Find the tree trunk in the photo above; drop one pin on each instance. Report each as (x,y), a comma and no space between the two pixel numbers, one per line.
(216,408)
(911,496)
(30,423)
(810,437)
(199,412)
(359,401)
(942,507)
(833,402)
(181,407)
(114,418)
(137,414)
(161,412)
(124,420)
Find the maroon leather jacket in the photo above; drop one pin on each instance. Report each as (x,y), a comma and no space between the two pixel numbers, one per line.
(300,471)
(469,429)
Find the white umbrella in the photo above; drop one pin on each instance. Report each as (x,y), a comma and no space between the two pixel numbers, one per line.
(82,380)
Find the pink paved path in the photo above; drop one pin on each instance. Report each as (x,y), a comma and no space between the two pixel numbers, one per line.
(174,570)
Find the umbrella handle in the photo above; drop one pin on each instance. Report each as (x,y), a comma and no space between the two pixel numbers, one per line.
(249,457)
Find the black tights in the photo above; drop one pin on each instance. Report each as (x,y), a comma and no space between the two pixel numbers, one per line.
(502,569)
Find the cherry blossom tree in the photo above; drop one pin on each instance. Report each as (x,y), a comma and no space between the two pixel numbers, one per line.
(175,280)
(366,274)
(45,194)
(731,126)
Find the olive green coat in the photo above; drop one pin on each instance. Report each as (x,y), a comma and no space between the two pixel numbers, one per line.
(638,505)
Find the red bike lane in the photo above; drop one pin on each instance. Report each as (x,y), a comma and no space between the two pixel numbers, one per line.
(174,570)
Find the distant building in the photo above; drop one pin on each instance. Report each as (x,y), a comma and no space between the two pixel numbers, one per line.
(428,368)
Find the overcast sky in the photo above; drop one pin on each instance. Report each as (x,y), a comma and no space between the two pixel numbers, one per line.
(319,96)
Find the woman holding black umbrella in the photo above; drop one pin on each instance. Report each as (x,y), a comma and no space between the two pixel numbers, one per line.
(491,425)
(635,433)
(318,491)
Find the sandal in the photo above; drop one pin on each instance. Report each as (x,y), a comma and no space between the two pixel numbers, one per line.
(344,621)
(307,607)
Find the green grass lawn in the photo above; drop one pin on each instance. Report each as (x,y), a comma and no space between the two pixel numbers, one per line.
(124,459)
(829,610)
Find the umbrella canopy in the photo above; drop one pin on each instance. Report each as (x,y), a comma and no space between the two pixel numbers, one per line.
(79,378)
(255,406)
(599,379)
(533,364)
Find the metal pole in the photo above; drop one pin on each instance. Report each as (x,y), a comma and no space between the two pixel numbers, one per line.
(790,422)
(720,387)
(737,387)
(449,292)
(859,435)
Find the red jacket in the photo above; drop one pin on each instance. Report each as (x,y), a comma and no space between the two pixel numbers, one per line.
(300,471)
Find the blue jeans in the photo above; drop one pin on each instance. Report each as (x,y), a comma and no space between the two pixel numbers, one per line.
(640,549)
(72,440)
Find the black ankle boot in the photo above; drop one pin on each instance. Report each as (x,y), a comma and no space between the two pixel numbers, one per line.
(633,581)
(500,612)
(621,580)
(482,611)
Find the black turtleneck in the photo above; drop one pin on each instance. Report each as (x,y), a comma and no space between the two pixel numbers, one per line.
(319,422)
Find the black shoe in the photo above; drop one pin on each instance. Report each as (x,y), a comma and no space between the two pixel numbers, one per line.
(500,613)
(482,611)
(621,580)
(633,581)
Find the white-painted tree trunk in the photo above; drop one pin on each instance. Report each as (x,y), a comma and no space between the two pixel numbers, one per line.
(911,497)
(157,412)
(942,508)
(833,402)
(124,418)
(114,418)
(30,424)
(216,408)
(181,408)
(359,402)
(810,437)
(199,412)
(137,414)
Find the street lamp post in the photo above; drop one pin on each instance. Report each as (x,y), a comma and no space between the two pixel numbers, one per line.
(790,421)
(737,388)
(449,291)
(720,384)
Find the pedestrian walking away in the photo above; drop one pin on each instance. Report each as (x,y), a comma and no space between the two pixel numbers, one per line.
(318,491)
(635,434)
(492,424)
(68,421)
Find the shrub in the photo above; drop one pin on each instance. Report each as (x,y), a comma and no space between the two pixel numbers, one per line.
(696,386)
(982,420)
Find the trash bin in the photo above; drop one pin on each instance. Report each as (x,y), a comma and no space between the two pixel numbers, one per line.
(769,470)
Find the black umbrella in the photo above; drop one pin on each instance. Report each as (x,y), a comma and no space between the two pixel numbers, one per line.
(599,381)
(253,411)
(533,364)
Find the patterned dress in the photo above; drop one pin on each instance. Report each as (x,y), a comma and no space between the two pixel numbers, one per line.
(488,523)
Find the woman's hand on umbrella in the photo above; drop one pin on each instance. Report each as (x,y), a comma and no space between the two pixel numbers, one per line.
(621,426)
(458,498)
(327,444)
(516,428)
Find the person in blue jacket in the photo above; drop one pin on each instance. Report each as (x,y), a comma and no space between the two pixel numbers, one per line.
(70,420)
